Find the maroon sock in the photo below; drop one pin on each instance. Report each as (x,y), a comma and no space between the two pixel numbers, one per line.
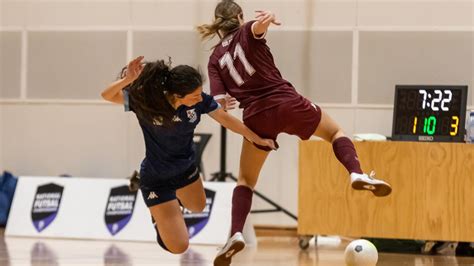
(346,154)
(241,204)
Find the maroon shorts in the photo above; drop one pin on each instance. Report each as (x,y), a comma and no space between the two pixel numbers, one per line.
(298,117)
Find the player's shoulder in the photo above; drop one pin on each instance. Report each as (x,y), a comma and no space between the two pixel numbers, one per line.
(208,104)
(205,99)
(216,53)
(245,29)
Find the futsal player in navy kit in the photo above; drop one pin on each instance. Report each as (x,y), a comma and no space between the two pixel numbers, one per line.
(168,103)
(242,65)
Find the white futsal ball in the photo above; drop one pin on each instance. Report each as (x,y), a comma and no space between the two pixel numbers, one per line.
(361,253)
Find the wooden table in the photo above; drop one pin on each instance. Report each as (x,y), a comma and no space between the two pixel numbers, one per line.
(432,197)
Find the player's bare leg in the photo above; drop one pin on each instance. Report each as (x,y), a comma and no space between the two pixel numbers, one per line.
(345,152)
(251,162)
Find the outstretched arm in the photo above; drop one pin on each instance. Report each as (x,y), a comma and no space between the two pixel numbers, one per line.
(234,124)
(264,19)
(113,93)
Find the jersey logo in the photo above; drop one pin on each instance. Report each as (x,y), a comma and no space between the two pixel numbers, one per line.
(157,122)
(191,115)
(152,195)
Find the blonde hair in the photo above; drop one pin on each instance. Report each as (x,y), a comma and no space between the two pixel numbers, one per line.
(226,20)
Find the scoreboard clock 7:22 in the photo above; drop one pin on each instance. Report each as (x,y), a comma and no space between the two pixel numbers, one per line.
(429,113)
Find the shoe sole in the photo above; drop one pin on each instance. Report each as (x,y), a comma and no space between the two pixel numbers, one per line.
(224,259)
(379,190)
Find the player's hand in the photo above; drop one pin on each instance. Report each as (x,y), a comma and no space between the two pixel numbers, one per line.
(266,17)
(230,102)
(134,69)
(266,142)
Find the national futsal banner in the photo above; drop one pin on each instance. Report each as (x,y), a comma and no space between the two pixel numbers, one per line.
(46,205)
(101,208)
(119,208)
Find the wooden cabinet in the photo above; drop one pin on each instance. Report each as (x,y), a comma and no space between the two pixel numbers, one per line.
(432,197)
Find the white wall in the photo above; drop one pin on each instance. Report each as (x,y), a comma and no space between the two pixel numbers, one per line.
(83,136)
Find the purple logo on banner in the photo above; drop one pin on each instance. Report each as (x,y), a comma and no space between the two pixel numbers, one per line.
(195,222)
(119,208)
(46,205)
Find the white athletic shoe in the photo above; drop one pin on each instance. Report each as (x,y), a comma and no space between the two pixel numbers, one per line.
(380,188)
(235,244)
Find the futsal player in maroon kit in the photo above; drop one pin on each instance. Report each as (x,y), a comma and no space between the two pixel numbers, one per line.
(242,66)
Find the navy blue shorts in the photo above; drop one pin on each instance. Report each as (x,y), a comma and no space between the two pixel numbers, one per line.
(165,190)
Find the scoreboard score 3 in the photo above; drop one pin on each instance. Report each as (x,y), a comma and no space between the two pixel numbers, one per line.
(429,113)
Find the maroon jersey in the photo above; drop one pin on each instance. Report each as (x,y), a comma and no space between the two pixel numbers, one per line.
(242,65)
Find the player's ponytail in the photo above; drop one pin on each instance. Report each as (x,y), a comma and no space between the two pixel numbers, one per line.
(147,94)
(226,20)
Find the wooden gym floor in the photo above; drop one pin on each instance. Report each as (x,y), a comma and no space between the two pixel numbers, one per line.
(271,251)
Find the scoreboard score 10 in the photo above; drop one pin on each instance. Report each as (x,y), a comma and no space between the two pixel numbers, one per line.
(429,113)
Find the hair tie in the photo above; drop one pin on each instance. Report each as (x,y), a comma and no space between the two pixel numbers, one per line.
(166,76)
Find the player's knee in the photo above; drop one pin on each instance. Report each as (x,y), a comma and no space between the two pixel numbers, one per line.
(246,180)
(338,134)
(173,247)
(179,247)
(201,205)
(160,242)
(176,247)
(197,205)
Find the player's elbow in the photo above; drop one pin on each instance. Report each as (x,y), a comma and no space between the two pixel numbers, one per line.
(110,98)
(105,96)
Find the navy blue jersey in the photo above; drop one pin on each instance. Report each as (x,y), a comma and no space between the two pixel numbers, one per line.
(170,151)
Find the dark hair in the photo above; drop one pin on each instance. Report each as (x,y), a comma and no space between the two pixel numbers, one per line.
(148,93)
(226,20)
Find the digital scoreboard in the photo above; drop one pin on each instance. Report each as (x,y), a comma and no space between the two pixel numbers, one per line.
(429,113)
